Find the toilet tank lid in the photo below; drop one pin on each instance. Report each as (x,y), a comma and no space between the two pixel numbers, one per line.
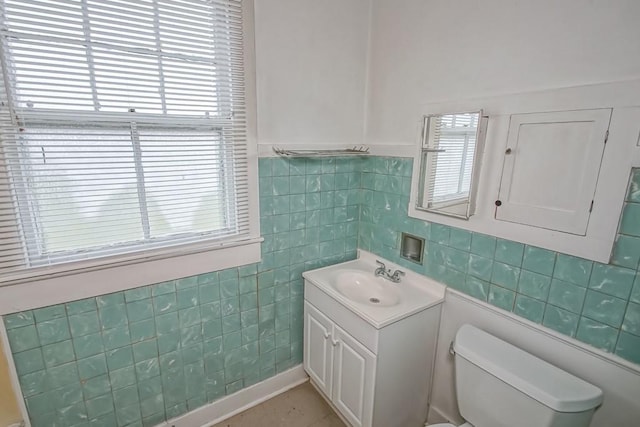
(542,381)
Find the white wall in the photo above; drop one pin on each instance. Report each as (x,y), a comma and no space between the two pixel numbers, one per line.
(423,51)
(311,59)
(617,378)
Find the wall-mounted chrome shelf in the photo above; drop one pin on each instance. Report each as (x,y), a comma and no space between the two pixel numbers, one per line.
(355,151)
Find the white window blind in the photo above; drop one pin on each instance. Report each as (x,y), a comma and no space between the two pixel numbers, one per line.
(449,149)
(123,128)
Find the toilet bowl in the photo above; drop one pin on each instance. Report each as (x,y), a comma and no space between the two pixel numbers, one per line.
(531,392)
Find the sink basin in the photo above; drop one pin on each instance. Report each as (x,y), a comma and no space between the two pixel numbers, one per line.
(366,288)
(376,300)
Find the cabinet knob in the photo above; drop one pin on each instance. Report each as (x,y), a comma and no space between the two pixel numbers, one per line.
(326,335)
(335,343)
(508,151)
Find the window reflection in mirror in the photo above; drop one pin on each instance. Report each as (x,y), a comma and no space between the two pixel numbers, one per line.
(450,153)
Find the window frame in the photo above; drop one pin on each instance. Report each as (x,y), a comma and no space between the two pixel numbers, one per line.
(148,266)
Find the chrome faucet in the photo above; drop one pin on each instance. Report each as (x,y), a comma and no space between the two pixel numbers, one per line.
(382,271)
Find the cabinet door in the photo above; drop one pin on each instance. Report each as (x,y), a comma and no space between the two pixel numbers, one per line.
(318,360)
(353,379)
(551,168)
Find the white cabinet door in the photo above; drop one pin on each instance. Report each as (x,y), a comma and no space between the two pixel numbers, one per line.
(353,379)
(551,169)
(318,357)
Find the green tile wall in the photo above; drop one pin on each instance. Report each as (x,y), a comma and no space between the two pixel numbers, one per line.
(596,303)
(139,357)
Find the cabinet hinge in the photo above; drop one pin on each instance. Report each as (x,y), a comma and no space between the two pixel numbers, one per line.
(591,207)
(606,136)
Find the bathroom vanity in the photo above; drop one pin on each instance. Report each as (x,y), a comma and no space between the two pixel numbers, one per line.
(369,343)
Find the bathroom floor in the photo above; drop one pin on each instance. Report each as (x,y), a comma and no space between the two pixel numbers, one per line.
(301,406)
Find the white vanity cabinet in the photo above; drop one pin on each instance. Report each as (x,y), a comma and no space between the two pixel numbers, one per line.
(342,368)
(374,365)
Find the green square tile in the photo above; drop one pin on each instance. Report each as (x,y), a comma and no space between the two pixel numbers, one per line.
(107,420)
(168,342)
(120,378)
(212,328)
(151,406)
(505,275)
(67,395)
(165,303)
(84,324)
(145,350)
(456,259)
(483,245)
(280,166)
(93,366)
(208,292)
(112,316)
(633,195)
(142,330)
(604,308)
(229,288)
(612,280)
(52,331)
(149,388)
(189,317)
(119,358)
(440,234)
(264,166)
(168,322)
(249,318)
(117,337)
(566,295)
(529,308)
(49,313)
(561,320)
(140,310)
(191,335)
(63,375)
(127,415)
(99,406)
(192,353)
(539,260)
(631,321)
(29,361)
(175,410)
(230,306)
(500,297)
(573,270)
(58,353)
(460,239)
(626,251)
(110,299)
(231,323)
(34,383)
(597,334)
(630,222)
(17,320)
(534,285)
(73,415)
(81,306)
(480,267)
(147,369)
(509,252)
(163,288)
(23,338)
(40,404)
(137,294)
(187,297)
(628,347)
(88,345)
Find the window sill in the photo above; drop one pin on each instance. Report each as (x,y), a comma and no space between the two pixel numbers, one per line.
(55,289)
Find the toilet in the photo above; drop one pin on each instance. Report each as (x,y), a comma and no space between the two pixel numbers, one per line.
(499,385)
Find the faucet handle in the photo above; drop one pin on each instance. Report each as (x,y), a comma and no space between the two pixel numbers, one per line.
(396,276)
(382,264)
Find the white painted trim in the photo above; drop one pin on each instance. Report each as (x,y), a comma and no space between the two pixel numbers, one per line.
(240,401)
(611,189)
(13,376)
(56,290)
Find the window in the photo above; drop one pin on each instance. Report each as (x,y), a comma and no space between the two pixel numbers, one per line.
(448,153)
(123,129)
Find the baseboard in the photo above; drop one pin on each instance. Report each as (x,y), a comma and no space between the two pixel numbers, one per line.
(436,416)
(242,400)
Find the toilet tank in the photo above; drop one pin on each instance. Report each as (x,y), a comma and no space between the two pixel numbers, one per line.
(500,385)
